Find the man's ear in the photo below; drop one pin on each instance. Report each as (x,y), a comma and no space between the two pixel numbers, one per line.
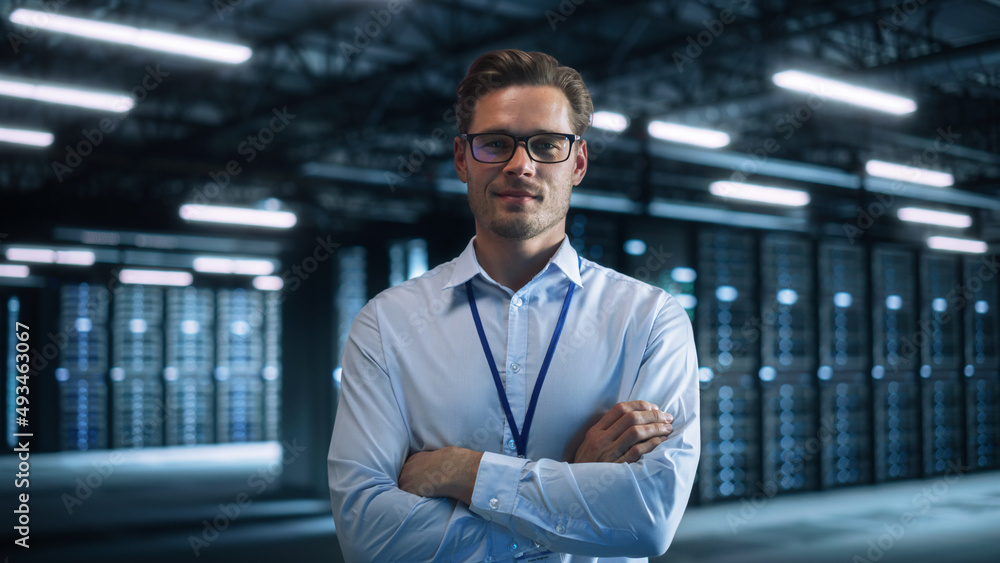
(580,162)
(463,174)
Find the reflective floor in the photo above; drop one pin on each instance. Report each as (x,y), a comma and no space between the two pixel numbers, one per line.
(952,519)
(955,518)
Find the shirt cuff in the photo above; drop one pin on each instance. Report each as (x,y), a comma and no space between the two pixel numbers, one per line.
(495,491)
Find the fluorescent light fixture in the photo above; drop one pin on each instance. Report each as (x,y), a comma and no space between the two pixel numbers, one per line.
(38,91)
(13,271)
(50,256)
(26,137)
(238,216)
(137,37)
(759,194)
(268,283)
(931,217)
(689,135)
(837,90)
(585,200)
(909,174)
(721,215)
(155,277)
(217,265)
(75,257)
(610,121)
(957,244)
(42,255)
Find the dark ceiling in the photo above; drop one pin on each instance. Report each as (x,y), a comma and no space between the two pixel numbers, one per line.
(365,86)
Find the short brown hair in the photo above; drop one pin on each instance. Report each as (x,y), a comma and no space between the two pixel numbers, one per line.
(509,67)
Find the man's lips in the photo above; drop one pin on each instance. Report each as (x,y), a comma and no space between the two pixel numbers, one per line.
(515,195)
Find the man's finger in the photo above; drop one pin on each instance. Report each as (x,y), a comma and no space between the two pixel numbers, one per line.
(637,451)
(620,409)
(636,418)
(639,434)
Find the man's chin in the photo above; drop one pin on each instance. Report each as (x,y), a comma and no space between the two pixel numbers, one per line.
(514,230)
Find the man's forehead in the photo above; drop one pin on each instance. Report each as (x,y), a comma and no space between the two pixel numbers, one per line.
(529,109)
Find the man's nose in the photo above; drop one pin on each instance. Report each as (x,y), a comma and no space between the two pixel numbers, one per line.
(520,163)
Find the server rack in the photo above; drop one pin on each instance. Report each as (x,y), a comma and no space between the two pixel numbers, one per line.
(138,410)
(979,301)
(845,428)
(238,373)
(896,392)
(190,358)
(790,431)
(271,373)
(939,337)
(84,363)
(728,330)
(788,389)
(844,358)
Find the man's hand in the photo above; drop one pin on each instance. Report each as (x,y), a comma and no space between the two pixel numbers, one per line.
(625,433)
(448,472)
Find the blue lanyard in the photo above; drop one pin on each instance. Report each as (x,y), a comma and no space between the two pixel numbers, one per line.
(520,438)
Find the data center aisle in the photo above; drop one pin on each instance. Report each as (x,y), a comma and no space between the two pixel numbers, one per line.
(955,518)
(952,518)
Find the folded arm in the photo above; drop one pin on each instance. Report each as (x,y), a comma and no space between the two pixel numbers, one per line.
(375,519)
(631,478)
(454,503)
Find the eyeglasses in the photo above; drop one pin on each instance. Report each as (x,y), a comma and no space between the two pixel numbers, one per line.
(497,148)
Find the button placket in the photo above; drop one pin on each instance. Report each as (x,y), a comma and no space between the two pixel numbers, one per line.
(516,385)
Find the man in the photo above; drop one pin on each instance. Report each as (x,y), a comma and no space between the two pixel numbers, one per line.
(447,376)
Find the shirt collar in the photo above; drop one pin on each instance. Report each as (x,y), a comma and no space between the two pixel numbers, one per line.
(467,265)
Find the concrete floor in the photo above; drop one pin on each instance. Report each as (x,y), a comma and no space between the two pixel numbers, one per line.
(946,519)
(953,519)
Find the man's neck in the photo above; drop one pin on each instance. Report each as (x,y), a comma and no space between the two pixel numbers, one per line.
(513,263)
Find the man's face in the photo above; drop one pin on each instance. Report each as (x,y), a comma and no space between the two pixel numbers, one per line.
(521,199)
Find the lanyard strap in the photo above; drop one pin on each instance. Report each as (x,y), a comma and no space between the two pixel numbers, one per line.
(520,438)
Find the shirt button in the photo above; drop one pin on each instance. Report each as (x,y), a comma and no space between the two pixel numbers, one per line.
(510,444)
(494,503)
(518,302)
(560,529)
(512,547)
(515,368)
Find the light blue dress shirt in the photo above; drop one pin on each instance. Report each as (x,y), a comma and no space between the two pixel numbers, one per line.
(415,378)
